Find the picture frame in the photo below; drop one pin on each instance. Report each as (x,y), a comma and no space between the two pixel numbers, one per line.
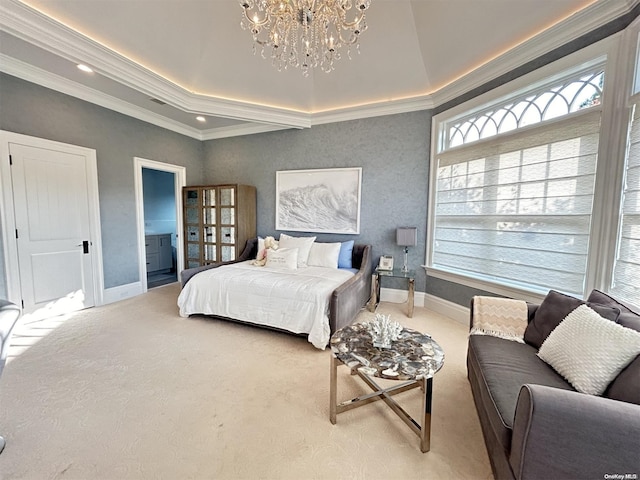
(319,200)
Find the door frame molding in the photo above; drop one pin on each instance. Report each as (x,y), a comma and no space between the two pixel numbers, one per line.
(180,180)
(7,212)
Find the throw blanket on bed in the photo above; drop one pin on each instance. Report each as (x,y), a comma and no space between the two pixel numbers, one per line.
(292,300)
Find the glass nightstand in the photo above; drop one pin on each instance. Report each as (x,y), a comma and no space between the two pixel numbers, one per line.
(378,274)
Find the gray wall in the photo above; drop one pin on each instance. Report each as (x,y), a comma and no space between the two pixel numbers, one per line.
(29,109)
(393,152)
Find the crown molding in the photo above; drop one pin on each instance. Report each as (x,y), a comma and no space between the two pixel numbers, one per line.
(60,84)
(55,82)
(240,130)
(34,27)
(30,25)
(592,17)
(380,109)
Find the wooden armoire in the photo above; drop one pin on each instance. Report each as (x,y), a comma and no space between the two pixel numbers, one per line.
(218,221)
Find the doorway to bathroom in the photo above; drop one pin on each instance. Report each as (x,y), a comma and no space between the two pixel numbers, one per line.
(159,205)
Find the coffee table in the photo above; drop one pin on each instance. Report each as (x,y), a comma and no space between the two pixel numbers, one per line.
(413,359)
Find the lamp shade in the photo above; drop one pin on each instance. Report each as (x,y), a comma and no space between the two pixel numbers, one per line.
(407,236)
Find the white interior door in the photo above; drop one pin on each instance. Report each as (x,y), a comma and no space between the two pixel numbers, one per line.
(53,232)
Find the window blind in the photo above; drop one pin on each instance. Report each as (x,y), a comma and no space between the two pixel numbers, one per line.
(626,273)
(516,209)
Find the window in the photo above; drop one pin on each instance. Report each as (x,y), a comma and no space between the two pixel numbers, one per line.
(535,185)
(549,102)
(515,209)
(626,274)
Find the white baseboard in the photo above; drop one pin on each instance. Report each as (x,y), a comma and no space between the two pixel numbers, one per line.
(394,295)
(445,307)
(121,292)
(431,302)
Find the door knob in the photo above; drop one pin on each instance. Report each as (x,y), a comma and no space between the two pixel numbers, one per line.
(84,245)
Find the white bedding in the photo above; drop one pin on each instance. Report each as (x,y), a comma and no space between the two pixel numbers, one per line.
(293,300)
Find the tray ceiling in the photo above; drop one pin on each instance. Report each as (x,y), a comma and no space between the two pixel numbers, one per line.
(193,56)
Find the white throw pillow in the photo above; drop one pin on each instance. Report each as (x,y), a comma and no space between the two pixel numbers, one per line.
(324,255)
(283,258)
(588,350)
(303,244)
(260,253)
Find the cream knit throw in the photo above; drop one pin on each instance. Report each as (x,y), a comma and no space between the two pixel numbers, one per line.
(499,317)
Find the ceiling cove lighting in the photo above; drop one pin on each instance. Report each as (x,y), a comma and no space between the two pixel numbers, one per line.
(200,118)
(85,68)
(304,34)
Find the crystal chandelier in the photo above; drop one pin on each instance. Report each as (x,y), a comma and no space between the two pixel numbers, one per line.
(304,33)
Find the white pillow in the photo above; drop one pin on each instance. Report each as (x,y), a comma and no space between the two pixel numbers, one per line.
(588,350)
(260,248)
(283,258)
(303,244)
(324,255)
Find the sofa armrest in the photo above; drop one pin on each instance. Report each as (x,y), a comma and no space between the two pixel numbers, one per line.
(565,434)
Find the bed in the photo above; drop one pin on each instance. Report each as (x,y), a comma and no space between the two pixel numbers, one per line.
(313,301)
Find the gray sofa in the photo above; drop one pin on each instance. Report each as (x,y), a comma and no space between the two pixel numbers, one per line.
(346,301)
(535,425)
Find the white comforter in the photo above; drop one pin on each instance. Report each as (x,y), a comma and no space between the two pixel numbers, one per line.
(293,300)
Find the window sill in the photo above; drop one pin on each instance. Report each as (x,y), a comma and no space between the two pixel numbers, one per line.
(486,285)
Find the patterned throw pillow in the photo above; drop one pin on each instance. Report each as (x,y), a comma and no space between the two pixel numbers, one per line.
(499,317)
(283,258)
(589,351)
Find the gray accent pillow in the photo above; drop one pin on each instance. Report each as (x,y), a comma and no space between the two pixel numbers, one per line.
(553,309)
(628,318)
(626,386)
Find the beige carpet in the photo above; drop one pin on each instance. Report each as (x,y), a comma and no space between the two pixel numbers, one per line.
(132,391)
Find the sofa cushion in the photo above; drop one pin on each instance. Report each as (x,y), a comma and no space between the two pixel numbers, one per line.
(589,351)
(553,309)
(627,318)
(504,367)
(626,386)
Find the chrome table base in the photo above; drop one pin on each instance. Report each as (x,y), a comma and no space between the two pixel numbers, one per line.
(422,429)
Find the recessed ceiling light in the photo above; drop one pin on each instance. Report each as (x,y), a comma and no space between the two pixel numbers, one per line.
(84,68)
(200,118)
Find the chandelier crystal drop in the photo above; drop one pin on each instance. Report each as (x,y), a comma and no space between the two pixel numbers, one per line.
(304,33)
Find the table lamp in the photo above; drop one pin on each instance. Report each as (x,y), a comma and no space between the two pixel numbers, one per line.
(406,237)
